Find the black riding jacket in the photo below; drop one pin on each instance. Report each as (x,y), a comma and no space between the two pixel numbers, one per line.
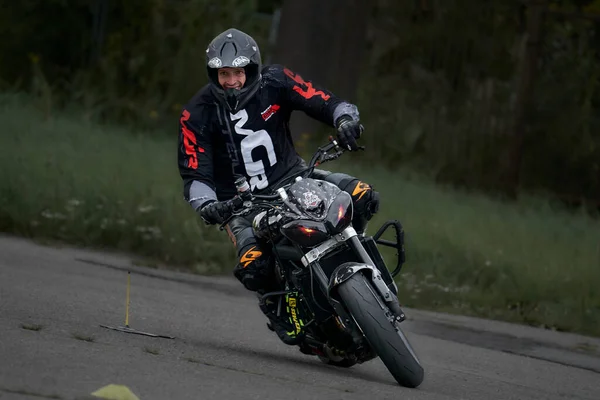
(215,144)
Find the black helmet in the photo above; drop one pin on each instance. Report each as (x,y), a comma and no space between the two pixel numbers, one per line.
(234,48)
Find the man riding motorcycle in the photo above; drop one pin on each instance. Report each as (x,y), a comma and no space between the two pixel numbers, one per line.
(238,125)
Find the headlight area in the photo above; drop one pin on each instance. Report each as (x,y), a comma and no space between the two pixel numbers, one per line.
(340,213)
(306,233)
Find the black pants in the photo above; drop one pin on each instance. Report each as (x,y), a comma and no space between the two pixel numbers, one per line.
(253,269)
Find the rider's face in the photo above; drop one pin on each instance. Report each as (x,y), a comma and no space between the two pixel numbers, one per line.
(232,78)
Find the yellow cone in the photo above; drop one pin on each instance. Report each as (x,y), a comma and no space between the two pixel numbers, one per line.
(115,392)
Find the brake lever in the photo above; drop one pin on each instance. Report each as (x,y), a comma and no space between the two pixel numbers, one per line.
(339,148)
(329,157)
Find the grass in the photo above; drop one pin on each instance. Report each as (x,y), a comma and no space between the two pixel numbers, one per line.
(69,180)
(587,348)
(32,327)
(84,338)
(102,186)
(525,262)
(151,350)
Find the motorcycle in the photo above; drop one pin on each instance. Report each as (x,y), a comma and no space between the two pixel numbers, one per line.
(339,296)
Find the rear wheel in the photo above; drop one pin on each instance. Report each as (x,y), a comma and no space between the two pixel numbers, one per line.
(385,338)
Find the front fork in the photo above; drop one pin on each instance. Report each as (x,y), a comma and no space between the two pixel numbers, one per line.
(346,270)
(344,319)
(391,300)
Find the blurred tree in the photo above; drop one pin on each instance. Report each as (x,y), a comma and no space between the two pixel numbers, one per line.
(443,86)
(324,42)
(528,70)
(54,32)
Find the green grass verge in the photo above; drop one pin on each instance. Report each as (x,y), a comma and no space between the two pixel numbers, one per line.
(527,262)
(70,180)
(66,179)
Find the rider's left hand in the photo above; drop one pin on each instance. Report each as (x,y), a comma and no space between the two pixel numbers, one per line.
(348,131)
(214,212)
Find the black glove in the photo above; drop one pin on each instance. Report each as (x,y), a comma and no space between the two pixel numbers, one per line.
(348,131)
(214,212)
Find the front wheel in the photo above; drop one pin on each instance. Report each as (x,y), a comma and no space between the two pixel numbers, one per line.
(385,338)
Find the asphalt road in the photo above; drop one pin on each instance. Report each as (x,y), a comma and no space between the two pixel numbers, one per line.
(53,301)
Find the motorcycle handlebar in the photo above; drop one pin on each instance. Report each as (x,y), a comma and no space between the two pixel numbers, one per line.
(266,196)
(244,194)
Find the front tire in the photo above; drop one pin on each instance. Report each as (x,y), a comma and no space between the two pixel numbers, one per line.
(385,339)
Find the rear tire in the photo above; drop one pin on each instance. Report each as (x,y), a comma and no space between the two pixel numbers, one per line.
(390,344)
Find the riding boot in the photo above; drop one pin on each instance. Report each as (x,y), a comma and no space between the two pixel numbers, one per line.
(280,324)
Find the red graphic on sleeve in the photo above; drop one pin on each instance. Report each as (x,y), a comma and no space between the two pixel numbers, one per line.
(189,141)
(268,113)
(307,93)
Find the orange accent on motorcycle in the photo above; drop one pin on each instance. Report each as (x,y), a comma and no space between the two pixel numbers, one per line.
(340,212)
(250,256)
(361,188)
(307,93)
(189,141)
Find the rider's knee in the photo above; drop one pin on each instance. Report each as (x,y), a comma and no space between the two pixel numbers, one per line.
(366,200)
(240,233)
(253,269)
